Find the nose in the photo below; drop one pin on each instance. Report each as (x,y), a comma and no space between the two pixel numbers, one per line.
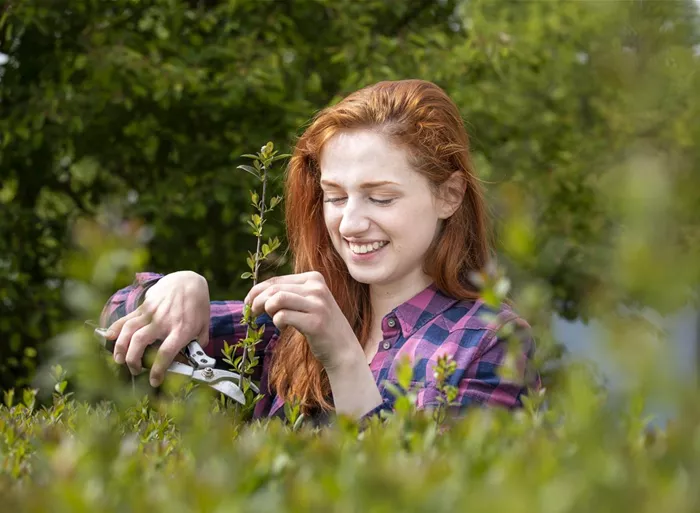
(354,221)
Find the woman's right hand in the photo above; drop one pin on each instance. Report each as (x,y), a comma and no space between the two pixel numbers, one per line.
(175,310)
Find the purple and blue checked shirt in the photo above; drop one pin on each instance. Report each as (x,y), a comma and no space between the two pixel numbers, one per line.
(429,325)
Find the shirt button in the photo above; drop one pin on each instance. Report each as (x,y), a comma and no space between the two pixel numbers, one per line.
(386,345)
(392,322)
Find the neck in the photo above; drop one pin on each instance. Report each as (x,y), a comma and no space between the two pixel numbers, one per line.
(385,298)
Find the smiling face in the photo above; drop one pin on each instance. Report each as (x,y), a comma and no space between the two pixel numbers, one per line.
(381,214)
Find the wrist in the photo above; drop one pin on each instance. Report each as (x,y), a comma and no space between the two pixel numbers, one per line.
(347,361)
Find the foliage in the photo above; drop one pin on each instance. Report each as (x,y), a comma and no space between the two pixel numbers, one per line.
(185,452)
(120,126)
(144,107)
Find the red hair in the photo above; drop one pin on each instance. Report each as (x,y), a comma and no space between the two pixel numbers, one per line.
(420,117)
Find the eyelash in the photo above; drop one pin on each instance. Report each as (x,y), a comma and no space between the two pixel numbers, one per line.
(379,202)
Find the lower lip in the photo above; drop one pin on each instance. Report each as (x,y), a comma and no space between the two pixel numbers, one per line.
(366,256)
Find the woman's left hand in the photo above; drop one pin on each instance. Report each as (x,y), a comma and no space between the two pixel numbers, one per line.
(305,302)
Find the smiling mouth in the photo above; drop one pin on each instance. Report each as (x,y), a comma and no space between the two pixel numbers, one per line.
(366,249)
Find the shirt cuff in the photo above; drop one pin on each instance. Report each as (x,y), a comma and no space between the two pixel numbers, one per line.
(143,282)
(387,405)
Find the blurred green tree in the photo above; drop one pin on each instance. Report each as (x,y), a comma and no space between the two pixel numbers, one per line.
(143,107)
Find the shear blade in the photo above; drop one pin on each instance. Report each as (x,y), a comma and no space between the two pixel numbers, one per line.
(229,390)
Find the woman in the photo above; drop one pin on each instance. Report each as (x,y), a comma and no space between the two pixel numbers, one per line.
(385,220)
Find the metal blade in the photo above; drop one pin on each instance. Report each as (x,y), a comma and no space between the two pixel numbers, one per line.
(229,390)
(181,368)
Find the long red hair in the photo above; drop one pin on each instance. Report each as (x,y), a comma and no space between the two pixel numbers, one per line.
(420,117)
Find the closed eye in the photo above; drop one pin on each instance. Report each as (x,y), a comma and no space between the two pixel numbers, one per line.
(377,201)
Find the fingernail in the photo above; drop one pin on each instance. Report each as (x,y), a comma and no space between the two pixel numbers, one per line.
(119,358)
(154,382)
(110,334)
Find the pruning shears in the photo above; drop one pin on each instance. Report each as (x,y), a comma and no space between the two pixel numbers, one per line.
(199,367)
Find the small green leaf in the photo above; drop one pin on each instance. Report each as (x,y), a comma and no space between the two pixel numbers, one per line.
(393,389)
(404,373)
(250,170)
(9,397)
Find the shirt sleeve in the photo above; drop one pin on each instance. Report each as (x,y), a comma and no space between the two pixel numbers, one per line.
(492,381)
(128,299)
(483,382)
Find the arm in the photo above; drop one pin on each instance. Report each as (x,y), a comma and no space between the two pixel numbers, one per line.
(224,320)
(353,386)
(483,383)
(481,359)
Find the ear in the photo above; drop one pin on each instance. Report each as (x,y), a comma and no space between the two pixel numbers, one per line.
(451,195)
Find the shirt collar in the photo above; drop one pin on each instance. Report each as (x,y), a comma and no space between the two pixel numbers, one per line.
(421,308)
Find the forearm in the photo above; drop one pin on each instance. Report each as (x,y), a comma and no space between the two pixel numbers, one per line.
(354,389)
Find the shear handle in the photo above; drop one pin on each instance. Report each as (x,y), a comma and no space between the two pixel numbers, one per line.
(149,354)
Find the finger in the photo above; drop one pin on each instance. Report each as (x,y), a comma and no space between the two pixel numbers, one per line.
(258,304)
(167,352)
(286,300)
(299,320)
(127,330)
(288,279)
(115,328)
(140,340)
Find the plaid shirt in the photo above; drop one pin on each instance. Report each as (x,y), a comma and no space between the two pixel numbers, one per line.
(429,325)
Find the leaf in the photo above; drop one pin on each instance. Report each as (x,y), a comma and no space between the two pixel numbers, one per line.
(404,373)
(393,389)
(60,387)
(9,397)
(250,170)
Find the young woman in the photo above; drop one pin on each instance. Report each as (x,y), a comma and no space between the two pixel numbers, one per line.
(385,220)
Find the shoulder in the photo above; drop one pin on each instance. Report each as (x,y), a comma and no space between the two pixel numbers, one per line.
(476,315)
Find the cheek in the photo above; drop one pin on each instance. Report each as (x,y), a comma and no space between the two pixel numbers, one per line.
(332,222)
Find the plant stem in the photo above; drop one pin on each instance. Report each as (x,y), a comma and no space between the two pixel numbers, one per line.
(257,266)
(262,220)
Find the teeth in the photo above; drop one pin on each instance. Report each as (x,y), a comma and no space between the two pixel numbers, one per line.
(366,248)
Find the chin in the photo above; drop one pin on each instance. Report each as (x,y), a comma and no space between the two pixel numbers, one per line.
(368,278)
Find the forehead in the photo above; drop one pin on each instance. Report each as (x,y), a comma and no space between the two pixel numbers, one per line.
(351,158)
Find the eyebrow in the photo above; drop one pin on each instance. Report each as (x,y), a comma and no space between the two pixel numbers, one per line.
(366,185)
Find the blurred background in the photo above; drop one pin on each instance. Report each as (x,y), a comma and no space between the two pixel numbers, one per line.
(583,118)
